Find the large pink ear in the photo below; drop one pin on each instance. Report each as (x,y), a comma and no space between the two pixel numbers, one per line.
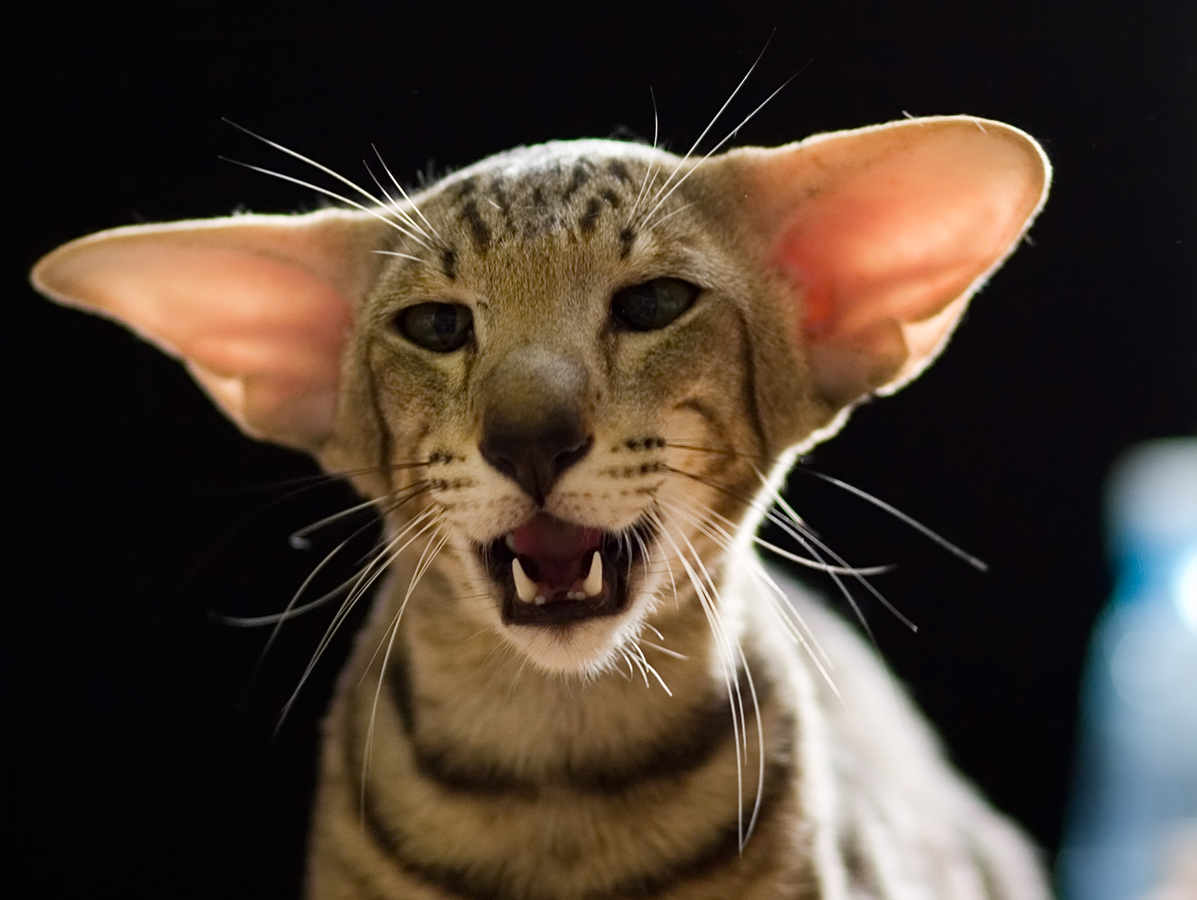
(258,307)
(885,232)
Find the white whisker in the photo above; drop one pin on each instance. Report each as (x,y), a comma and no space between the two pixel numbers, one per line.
(711,124)
(822,566)
(660,526)
(327,193)
(666,218)
(400,255)
(426,557)
(628,660)
(646,665)
(664,650)
(298,539)
(784,611)
(327,171)
(649,170)
(795,527)
(914,523)
(731,134)
(394,555)
(393,205)
(638,661)
(729,655)
(362,583)
(291,611)
(745,834)
(311,162)
(406,197)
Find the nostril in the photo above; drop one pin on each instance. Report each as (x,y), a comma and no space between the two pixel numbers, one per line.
(503,464)
(567,458)
(534,455)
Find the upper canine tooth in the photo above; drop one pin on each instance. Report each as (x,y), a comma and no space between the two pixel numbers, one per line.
(525,587)
(593,585)
(509,540)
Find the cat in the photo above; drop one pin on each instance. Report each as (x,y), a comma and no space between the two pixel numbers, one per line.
(571,378)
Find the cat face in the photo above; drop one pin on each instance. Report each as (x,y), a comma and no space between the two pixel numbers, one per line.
(568,372)
(560,377)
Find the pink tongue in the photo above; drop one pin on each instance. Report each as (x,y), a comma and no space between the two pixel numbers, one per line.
(559,548)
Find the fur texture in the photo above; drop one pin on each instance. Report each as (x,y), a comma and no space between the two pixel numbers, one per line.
(571,378)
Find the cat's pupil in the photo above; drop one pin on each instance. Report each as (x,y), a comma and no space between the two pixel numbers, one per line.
(653,304)
(439,327)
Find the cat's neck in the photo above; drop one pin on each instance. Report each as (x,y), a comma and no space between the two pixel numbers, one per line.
(466,692)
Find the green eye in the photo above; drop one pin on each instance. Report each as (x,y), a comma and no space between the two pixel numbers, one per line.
(653,304)
(439,327)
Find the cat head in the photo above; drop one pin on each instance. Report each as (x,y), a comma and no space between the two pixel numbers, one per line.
(574,368)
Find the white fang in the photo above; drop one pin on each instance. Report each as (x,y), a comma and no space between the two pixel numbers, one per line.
(525,587)
(593,585)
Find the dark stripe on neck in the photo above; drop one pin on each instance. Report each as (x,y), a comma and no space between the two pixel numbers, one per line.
(723,849)
(670,755)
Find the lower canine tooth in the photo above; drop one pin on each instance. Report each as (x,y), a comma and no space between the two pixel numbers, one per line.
(593,585)
(525,587)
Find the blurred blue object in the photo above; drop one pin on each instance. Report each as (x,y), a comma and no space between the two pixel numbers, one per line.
(1134,812)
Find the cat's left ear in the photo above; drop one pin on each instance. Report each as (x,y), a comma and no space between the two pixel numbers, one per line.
(884,233)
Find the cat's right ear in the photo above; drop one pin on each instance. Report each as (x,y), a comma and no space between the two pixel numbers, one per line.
(258,307)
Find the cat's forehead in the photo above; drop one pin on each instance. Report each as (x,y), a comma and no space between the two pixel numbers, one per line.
(556,164)
(561,187)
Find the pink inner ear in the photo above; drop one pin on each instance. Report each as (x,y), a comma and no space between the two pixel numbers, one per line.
(237,301)
(265,337)
(901,239)
(236,313)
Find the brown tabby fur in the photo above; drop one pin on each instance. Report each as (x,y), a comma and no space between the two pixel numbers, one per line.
(710,732)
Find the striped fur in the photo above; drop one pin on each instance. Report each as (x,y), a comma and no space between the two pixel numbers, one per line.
(701,728)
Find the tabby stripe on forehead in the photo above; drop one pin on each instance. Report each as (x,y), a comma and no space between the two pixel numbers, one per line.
(449,263)
(590,216)
(702,863)
(500,200)
(673,755)
(620,171)
(627,237)
(580,177)
(469,212)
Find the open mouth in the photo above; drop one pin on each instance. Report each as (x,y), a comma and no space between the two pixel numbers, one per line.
(555,572)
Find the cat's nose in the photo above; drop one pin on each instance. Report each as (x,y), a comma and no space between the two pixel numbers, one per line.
(535,457)
(534,425)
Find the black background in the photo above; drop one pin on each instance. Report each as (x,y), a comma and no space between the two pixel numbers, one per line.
(144,753)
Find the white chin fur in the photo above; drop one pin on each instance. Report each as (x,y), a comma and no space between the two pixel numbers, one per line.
(580,647)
